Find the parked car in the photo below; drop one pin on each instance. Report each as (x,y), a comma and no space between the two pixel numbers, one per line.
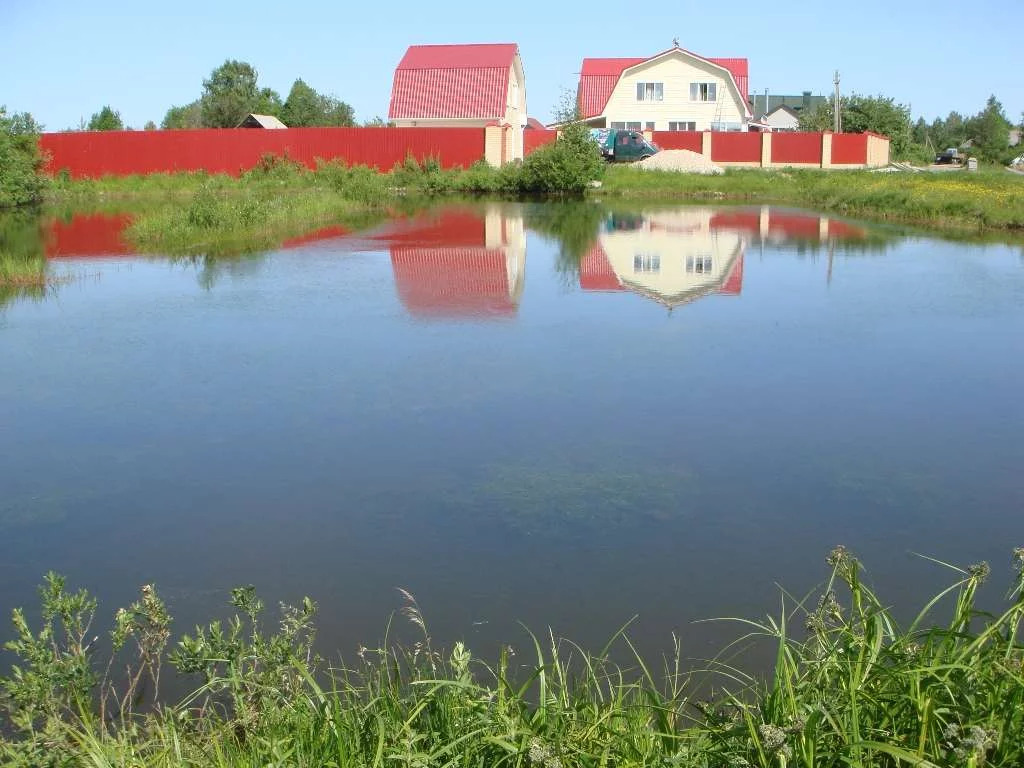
(951,156)
(622,146)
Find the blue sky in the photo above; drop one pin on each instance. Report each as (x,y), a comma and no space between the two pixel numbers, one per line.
(64,60)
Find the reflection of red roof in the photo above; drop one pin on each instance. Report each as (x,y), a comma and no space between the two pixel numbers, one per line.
(447,229)
(599,76)
(733,284)
(97,234)
(453,282)
(452,81)
(596,273)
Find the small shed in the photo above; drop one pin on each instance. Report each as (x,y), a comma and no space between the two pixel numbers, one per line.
(269,122)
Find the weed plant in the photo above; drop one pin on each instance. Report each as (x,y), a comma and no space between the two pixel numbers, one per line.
(850,687)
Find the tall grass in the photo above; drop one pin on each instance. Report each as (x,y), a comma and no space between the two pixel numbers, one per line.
(987,200)
(850,687)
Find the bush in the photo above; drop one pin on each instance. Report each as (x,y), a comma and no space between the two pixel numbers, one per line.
(566,166)
(21,162)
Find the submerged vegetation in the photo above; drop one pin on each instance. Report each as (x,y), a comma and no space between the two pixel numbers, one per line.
(850,687)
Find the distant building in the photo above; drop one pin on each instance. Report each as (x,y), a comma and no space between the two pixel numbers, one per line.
(761,105)
(461,86)
(782,118)
(261,121)
(675,90)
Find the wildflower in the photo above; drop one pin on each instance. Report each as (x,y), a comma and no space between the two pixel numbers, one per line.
(979,571)
(772,737)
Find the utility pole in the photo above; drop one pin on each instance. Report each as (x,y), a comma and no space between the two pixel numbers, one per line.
(837,115)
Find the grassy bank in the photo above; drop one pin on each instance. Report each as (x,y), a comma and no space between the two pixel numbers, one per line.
(850,687)
(989,201)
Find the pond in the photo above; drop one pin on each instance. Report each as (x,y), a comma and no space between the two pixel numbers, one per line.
(562,415)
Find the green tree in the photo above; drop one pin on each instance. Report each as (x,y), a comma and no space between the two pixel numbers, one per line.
(304,107)
(188,116)
(878,114)
(107,119)
(149,126)
(229,95)
(268,102)
(21,162)
(989,131)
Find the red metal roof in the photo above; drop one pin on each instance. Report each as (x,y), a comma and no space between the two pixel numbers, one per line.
(452,81)
(599,76)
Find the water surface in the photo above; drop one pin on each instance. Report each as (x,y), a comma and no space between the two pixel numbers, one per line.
(558,415)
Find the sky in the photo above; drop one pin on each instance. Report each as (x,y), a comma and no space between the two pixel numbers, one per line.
(63,60)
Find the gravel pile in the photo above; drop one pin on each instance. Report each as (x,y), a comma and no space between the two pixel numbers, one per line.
(680,160)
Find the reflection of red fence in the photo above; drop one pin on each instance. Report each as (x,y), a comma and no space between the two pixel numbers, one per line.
(796,148)
(96,234)
(534,138)
(678,140)
(120,153)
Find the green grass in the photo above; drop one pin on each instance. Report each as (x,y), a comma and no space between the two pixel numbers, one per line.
(973,202)
(850,687)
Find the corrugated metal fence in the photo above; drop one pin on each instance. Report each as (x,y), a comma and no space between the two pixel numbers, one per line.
(93,154)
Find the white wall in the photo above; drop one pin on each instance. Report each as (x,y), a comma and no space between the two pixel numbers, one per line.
(676,70)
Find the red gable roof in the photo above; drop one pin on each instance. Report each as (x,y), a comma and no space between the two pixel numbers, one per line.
(453,282)
(452,81)
(599,76)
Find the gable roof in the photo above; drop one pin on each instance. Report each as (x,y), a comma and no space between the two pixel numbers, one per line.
(598,77)
(783,108)
(452,81)
(253,120)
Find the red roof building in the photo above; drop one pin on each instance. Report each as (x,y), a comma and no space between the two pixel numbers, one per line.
(672,90)
(460,86)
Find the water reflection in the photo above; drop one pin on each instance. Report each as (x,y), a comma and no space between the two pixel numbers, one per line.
(671,257)
(469,261)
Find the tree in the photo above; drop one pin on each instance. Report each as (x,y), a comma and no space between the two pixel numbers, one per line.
(106,120)
(21,162)
(229,95)
(188,116)
(268,102)
(149,126)
(879,114)
(304,107)
(989,131)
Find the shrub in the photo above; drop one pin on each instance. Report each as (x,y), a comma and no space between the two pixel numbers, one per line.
(21,162)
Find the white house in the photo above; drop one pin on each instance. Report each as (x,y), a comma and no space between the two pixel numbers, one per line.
(466,86)
(782,118)
(675,90)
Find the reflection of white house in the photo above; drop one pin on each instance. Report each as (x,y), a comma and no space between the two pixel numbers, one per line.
(675,90)
(468,86)
(672,257)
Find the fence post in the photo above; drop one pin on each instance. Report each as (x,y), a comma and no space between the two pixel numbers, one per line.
(766,149)
(705,145)
(494,145)
(826,149)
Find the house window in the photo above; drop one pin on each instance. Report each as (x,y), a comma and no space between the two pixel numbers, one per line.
(650,91)
(633,125)
(682,125)
(646,262)
(698,264)
(620,126)
(703,92)
(649,126)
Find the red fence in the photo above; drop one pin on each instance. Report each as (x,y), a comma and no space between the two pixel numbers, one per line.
(679,140)
(121,153)
(849,148)
(796,148)
(736,148)
(535,138)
